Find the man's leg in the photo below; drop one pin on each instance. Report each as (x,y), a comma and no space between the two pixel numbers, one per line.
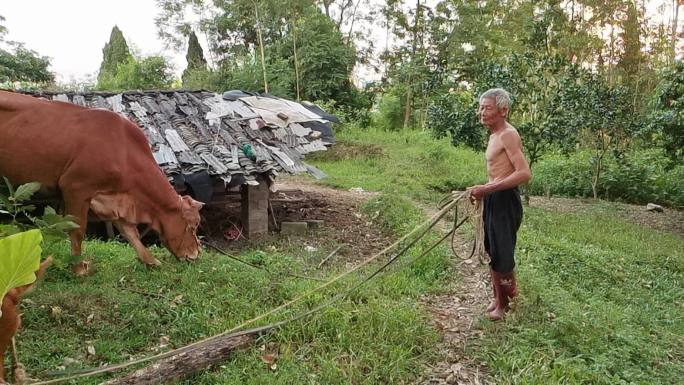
(504,218)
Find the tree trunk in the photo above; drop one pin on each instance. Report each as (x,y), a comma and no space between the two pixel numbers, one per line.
(181,365)
(407,110)
(261,47)
(409,93)
(296,62)
(675,19)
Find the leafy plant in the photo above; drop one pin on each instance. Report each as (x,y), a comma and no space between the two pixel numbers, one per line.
(20,258)
(15,203)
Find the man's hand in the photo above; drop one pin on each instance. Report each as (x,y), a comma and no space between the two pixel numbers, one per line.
(477,192)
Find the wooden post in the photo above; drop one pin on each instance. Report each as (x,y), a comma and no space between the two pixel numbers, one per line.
(254,209)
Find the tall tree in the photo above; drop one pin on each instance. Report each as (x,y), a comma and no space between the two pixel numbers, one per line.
(194,57)
(114,53)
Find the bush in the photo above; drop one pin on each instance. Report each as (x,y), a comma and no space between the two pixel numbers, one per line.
(636,177)
(390,110)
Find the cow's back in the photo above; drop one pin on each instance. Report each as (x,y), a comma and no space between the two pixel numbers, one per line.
(41,140)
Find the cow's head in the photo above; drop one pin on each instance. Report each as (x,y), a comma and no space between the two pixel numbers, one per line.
(179,232)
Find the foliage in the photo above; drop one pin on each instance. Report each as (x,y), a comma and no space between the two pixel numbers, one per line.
(637,177)
(325,60)
(195,59)
(152,72)
(389,114)
(20,64)
(20,255)
(354,111)
(305,54)
(454,115)
(667,119)
(16,204)
(114,54)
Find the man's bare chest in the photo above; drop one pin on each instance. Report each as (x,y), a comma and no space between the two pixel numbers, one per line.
(495,149)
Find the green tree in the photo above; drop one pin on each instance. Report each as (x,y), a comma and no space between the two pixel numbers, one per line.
(114,53)
(148,73)
(304,52)
(24,65)
(194,57)
(20,64)
(325,59)
(667,118)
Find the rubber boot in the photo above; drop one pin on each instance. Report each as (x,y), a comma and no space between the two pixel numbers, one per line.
(507,289)
(492,304)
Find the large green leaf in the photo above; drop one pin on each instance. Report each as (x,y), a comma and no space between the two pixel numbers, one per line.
(19,260)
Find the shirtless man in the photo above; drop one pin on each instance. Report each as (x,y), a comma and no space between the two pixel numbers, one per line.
(507,168)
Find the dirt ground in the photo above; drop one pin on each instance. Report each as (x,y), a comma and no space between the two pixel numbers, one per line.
(457,314)
(298,199)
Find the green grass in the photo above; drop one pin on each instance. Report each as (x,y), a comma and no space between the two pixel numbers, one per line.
(410,163)
(377,335)
(602,303)
(601,299)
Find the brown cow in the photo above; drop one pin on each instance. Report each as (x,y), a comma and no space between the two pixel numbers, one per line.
(98,161)
(10,319)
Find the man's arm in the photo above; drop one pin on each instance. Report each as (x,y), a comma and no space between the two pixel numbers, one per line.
(513,147)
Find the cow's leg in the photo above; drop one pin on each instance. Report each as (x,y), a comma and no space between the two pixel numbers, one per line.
(131,233)
(78,207)
(9,323)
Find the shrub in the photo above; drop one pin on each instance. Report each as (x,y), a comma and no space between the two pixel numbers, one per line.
(390,110)
(636,177)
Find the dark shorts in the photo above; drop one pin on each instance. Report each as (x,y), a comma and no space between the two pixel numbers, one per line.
(502,217)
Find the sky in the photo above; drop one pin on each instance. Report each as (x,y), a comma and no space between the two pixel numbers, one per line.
(73,32)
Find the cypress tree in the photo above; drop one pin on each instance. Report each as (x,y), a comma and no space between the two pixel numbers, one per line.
(115,52)
(195,57)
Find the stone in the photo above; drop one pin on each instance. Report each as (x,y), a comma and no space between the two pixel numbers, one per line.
(293,228)
(654,207)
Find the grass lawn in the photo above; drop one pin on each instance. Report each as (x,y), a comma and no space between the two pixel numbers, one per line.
(601,298)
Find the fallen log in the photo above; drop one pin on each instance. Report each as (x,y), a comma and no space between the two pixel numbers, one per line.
(176,367)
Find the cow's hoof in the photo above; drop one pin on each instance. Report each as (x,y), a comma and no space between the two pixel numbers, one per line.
(82,269)
(154,262)
(20,377)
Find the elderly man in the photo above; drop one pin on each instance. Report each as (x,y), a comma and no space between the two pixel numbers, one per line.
(507,168)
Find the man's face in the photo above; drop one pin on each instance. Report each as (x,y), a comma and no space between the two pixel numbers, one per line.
(489,113)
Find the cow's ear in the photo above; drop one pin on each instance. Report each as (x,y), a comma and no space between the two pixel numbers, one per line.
(193,203)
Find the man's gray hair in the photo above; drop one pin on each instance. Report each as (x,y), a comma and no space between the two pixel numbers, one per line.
(500,96)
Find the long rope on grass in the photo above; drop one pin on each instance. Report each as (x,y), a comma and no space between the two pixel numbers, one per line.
(422,229)
(211,245)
